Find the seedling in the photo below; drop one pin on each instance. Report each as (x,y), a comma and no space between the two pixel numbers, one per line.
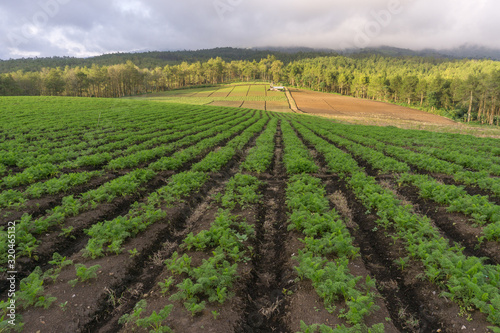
(153,322)
(402,262)
(194,307)
(133,252)
(63,306)
(165,286)
(31,291)
(83,273)
(66,232)
(215,314)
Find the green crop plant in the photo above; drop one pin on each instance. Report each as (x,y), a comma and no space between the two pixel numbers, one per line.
(31,291)
(11,199)
(154,322)
(59,262)
(194,307)
(166,284)
(225,232)
(133,252)
(178,265)
(322,328)
(215,314)
(30,175)
(296,158)
(327,235)
(465,276)
(5,325)
(242,190)
(114,232)
(84,273)
(260,157)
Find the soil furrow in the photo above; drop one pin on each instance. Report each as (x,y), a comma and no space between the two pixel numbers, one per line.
(458,227)
(264,311)
(108,316)
(378,254)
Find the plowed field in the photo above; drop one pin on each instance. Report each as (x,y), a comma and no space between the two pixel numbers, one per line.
(127,216)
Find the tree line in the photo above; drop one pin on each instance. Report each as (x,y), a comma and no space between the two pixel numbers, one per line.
(153,59)
(465,89)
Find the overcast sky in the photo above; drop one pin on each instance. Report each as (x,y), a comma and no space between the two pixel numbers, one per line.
(83,28)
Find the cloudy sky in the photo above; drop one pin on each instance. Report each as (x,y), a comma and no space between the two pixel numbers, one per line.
(82,28)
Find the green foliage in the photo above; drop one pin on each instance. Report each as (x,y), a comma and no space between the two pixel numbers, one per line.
(30,175)
(114,232)
(178,265)
(31,291)
(215,314)
(242,190)
(11,199)
(222,132)
(5,326)
(296,158)
(84,273)
(464,277)
(327,236)
(259,158)
(165,286)
(218,158)
(154,322)
(316,328)
(59,262)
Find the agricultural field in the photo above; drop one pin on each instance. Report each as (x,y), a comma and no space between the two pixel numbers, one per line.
(350,108)
(254,95)
(122,215)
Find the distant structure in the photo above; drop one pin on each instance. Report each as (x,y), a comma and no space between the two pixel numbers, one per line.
(276,88)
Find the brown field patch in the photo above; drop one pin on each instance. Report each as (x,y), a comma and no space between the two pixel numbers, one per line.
(336,106)
(254,105)
(278,106)
(234,104)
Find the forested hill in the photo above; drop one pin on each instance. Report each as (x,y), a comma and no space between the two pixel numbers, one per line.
(151,60)
(155,59)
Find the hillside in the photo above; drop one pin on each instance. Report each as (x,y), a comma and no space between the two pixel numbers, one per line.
(154,59)
(137,214)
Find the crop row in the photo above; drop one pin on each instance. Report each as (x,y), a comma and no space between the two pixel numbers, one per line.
(296,157)
(14,198)
(463,144)
(179,186)
(53,135)
(27,228)
(42,171)
(111,234)
(260,156)
(481,179)
(96,141)
(114,232)
(456,198)
(83,157)
(133,157)
(218,158)
(465,279)
(182,156)
(326,237)
(94,155)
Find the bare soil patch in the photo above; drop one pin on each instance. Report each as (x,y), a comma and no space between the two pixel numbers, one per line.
(277,106)
(234,104)
(331,105)
(254,105)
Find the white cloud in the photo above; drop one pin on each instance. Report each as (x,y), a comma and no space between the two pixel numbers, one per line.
(82,28)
